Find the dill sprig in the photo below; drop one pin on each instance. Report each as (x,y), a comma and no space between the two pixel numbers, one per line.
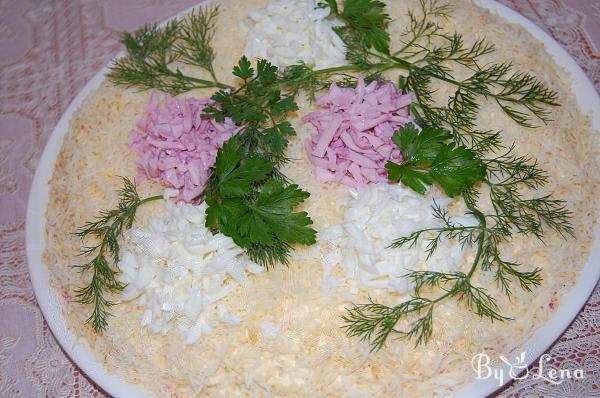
(152,54)
(196,34)
(429,55)
(513,213)
(106,230)
(375,322)
(435,55)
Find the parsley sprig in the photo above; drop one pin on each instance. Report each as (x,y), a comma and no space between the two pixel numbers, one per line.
(255,209)
(260,106)
(249,199)
(429,157)
(105,231)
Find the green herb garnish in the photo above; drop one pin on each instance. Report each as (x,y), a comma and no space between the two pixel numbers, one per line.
(260,107)
(428,157)
(255,209)
(427,54)
(107,229)
(366,23)
(451,152)
(152,53)
(251,201)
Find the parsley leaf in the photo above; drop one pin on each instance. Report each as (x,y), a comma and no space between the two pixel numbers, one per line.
(414,177)
(423,147)
(266,71)
(456,169)
(254,208)
(428,158)
(275,203)
(237,179)
(368,21)
(282,106)
(276,136)
(243,69)
(227,158)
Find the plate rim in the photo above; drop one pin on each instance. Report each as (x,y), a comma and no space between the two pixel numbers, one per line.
(79,351)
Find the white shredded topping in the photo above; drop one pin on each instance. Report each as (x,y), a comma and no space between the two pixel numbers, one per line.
(178,270)
(269,330)
(373,218)
(288,31)
(312,355)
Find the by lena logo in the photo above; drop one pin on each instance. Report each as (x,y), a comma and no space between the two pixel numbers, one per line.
(517,369)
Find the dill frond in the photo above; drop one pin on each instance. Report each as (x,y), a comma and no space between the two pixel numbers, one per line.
(106,230)
(429,56)
(374,323)
(196,34)
(152,53)
(268,255)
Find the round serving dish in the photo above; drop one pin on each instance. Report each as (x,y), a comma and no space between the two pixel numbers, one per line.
(81,354)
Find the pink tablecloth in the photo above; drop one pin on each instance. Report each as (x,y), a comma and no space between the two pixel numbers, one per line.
(49,49)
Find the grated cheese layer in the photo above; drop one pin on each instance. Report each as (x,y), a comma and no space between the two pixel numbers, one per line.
(310,354)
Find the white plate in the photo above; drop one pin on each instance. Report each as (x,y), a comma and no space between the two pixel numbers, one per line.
(79,351)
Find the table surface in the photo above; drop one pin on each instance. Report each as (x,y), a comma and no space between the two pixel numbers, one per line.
(49,49)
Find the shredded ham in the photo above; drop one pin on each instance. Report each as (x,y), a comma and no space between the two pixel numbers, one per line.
(353,141)
(176,146)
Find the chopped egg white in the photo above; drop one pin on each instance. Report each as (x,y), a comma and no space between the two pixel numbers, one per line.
(288,31)
(269,330)
(178,271)
(373,218)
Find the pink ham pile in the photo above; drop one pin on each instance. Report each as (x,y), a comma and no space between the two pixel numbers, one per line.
(354,132)
(176,146)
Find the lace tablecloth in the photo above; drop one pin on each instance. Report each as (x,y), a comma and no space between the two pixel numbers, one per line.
(49,49)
